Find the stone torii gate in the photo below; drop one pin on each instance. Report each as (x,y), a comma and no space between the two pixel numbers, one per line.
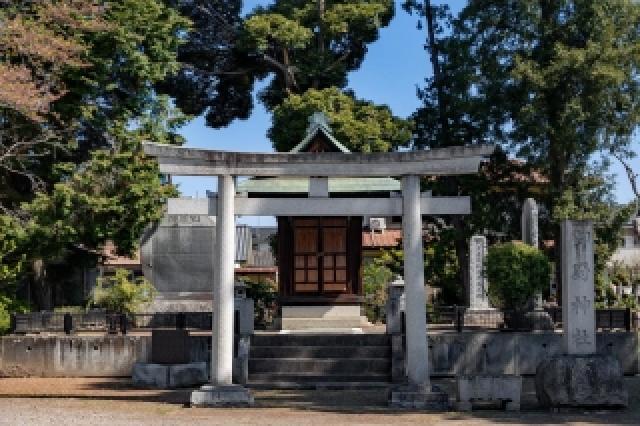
(317,167)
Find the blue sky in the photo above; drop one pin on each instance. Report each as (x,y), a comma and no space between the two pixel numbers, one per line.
(394,66)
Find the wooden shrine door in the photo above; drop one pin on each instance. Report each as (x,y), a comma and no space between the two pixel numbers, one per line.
(319,259)
(320,255)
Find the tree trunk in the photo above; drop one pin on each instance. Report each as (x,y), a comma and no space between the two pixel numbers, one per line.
(437,77)
(320,39)
(42,293)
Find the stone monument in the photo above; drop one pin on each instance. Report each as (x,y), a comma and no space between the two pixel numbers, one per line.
(580,377)
(478,287)
(529,226)
(529,223)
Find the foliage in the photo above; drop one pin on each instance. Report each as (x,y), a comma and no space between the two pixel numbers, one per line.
(375,279)
(264,294)
(72,174)
(9,305)
(516,272)
(360,125)
(11,259)
(215,78)
(555,83)
(119,294)
(301,44)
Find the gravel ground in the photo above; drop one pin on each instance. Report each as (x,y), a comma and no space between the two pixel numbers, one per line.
(36,401)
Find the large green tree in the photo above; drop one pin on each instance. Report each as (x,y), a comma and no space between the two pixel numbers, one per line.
(553,82)
(306,48)
(72,171)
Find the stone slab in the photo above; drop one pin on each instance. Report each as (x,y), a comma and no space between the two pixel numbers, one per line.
(188,375)
(414,398)
(578,309)
(150,375)
(588,381)
(504,389)
(478,285)
(169,376)
(222,396)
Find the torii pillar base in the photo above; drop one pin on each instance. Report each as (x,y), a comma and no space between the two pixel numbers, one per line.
(222,396)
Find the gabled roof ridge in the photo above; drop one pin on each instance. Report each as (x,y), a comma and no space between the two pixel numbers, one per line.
(318,123)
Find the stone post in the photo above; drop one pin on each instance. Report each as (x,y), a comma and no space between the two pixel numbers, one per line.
(529,226)
(244,329)
(416,314)
(578,310)
(222,392)
(478,296)
(580,377)
(395,308)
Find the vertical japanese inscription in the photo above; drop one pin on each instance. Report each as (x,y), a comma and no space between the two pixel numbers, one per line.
(578,287)
(478,297)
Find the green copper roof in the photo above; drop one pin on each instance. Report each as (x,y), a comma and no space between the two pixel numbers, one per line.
(301,185)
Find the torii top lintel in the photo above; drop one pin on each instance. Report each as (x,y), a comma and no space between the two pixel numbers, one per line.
(179,161)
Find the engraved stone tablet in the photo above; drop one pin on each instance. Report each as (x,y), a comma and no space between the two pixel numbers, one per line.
(578,311)
(478,297)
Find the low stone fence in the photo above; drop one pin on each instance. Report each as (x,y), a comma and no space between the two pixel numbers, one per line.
(81,356)
(453,354)
(450,354)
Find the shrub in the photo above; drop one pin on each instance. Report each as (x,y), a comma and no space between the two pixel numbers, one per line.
(8,306)
(375,278)
(264,293)
(516,272)
(5,319)
(118,293)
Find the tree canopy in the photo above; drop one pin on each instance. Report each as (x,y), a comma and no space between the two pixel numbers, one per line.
(360,125)
(554,83)
(72,174)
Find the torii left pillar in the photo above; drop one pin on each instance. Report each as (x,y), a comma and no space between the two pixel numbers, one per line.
(221,391)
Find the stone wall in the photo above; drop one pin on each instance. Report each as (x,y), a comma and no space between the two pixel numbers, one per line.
(517,353)
(450,353)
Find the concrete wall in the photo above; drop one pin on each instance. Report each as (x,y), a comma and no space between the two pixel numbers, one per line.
(450,353)
(82,356)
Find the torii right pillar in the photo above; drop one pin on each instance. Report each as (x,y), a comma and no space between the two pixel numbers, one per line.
(416,393)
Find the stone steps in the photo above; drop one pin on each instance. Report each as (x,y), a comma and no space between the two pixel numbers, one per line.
(320,352)
(320,366)
(320,361)
(319,339)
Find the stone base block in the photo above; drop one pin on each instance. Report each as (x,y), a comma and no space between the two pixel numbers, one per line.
(150,375)
(221,396)
(320,317)
(418,398)
(483,318)
(169,376)
(503,389)
(587,381)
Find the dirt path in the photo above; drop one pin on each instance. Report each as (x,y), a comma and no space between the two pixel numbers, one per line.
(68,402)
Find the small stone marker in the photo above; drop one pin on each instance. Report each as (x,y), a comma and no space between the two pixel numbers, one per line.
(529,223)
(529,226)
(578,313)
(478,296)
